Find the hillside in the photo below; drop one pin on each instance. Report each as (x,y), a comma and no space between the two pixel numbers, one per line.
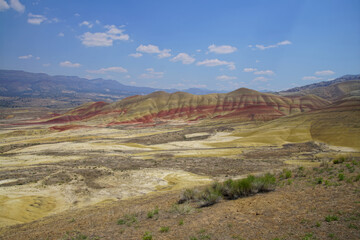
(348,85)
(244,104)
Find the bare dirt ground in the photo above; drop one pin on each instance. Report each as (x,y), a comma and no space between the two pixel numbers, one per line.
(83,180)
(299,208)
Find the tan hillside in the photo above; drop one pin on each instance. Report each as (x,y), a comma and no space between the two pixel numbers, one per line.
(244,104)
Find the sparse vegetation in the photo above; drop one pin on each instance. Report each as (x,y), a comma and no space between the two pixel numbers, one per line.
(286,173)
(153,212)
(128,219)
(331,218)
(230,189)
(164,229)
(341,176)
(182,208)
(75,235)
(147,236)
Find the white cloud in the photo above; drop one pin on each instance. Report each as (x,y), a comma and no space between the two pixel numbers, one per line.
(104,39)
(184,58)
(164,53)
(87,24)
(249,69)
(69,64)
(264,72)
(311,78)
(36,19)
(225,77)
(4,5)
(223,49)
(198,50)
(262,47)
(151,74)
(77,15)
(46,64)
(17,6)
(26,56)
(260,79)
(324,73)
(37,58)
(216,62)
(132,83)
(109,69)
(97,21)
(61,34)
(154,49)
(135,55)
(148,48)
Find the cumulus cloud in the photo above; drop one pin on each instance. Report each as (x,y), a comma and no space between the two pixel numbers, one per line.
(109,69)
(36,19)
(87,24)
(61,34)
(249,69)
(262,47)
(4,5)
(264,72)
(184,58)
(216,62)
(324,73)
(223,49)
(151,49)
(311,78)
(135,55)
(104,39)
(17,6)
(225,78)
(151,74)
(69,64)
(25,57)
(260,79)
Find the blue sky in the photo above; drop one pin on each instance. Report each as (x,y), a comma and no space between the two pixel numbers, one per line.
(220,45)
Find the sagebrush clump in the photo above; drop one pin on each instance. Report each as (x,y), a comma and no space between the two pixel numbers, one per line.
(230,189)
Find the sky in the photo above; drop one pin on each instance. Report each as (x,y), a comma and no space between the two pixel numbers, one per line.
(214,44)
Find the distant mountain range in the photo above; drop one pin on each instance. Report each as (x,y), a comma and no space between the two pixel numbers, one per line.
(25,89)
(66,91)
(345,86)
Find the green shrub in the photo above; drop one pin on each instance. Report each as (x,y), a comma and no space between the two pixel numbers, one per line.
(331,218)
(147,236)
(187,195)
(309,236)
(339,160)
(341,176)
(128,219)
(181,222)
(164,229)
(151,213)
(319,180)
(286,173)
(230,189)
(208,197)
